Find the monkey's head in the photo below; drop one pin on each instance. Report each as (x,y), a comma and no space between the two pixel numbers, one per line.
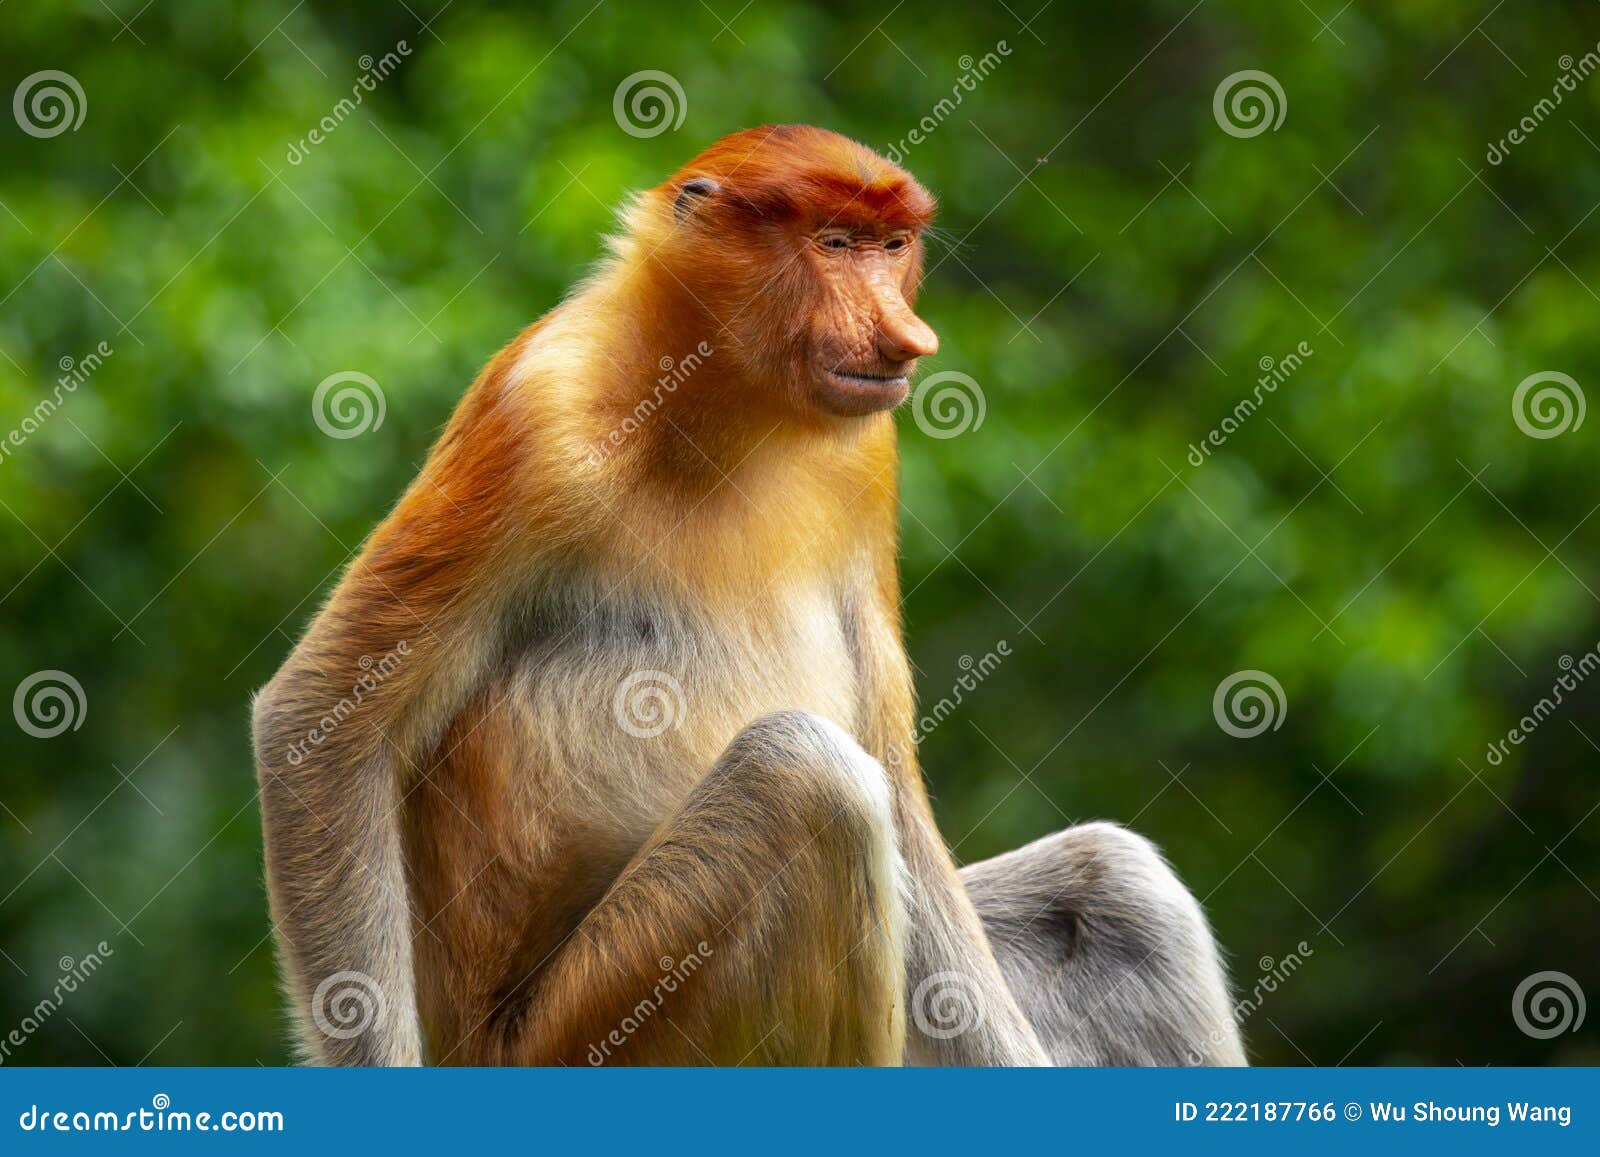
(799,252)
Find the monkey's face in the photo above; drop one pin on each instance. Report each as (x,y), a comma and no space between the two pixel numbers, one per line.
(803,249)
(863,340)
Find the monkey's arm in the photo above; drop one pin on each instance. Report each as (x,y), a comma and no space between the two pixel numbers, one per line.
(960,1009)
(340,732)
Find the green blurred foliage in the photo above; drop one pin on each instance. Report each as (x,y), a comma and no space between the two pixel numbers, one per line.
(1111,268)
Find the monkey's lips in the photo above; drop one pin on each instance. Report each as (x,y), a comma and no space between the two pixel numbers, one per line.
(862,391)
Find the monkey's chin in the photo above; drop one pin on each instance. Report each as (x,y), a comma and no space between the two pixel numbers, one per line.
(853,395)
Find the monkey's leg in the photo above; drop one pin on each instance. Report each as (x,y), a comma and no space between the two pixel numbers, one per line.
(1108,953)
(761,924)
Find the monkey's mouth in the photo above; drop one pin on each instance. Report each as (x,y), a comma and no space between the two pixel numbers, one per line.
(862,391)
(870,380)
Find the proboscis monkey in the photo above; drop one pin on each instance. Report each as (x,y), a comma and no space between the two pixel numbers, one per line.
(601,750)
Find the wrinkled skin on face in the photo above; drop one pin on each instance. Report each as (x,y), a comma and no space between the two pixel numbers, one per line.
(805,252)
(865,339)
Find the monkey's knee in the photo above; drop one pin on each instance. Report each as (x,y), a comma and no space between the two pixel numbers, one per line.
(814,769)
(824,806)
(1111,954)
(1125,887)
(820,885)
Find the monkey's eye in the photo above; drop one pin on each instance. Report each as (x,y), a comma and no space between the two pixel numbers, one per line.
(896,243)
(834,242)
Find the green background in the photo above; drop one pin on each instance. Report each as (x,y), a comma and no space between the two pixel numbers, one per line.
(1112,266)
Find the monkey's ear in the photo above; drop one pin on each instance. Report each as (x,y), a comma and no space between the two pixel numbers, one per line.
(690,194)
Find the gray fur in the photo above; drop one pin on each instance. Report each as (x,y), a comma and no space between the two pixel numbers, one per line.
(336,874)
(1107,952)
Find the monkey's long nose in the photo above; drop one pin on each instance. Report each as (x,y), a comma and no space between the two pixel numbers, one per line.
(902,335)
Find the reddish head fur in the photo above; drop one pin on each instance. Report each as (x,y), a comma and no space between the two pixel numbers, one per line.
(800,175)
